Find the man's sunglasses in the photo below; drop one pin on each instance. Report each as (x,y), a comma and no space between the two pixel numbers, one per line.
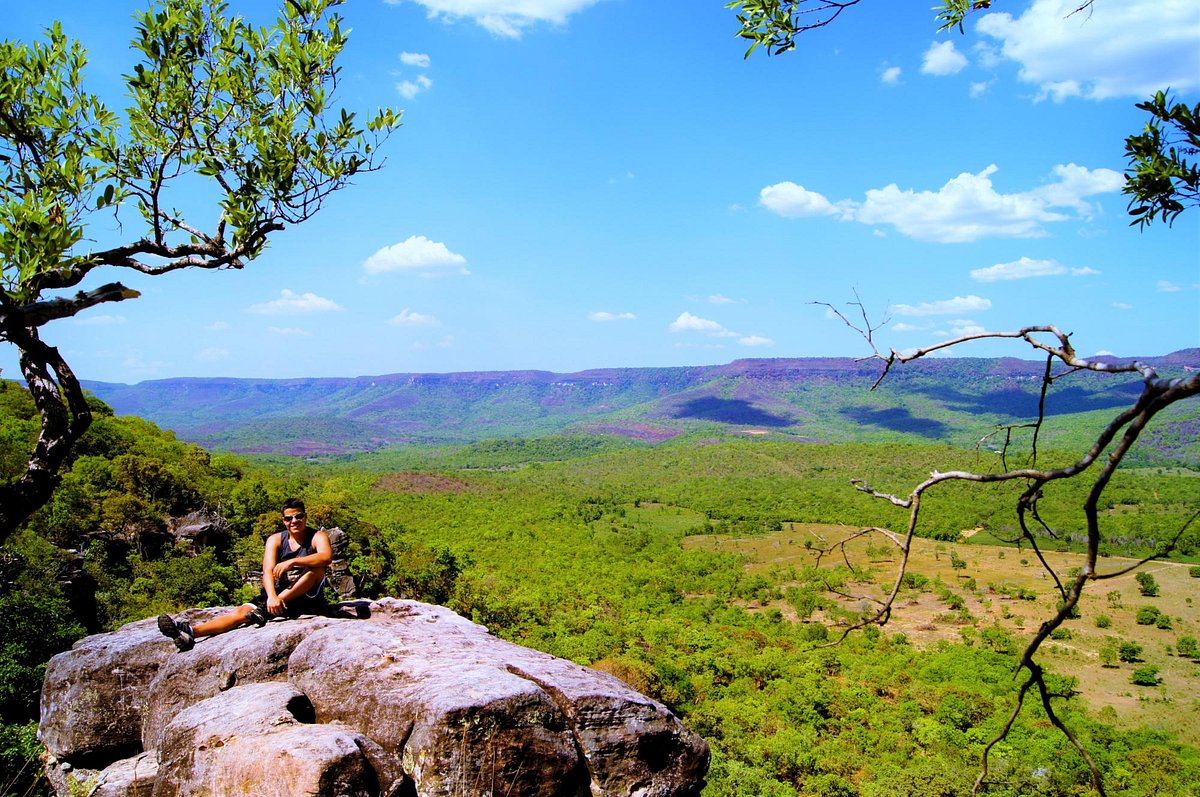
(296,518)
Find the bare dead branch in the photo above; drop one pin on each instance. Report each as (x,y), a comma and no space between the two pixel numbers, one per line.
(1154,556)
(1110,447)
(862,486)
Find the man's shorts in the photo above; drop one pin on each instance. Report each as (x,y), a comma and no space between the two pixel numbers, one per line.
(305,604)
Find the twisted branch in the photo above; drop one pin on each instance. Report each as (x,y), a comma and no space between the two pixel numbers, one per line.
(1117,438)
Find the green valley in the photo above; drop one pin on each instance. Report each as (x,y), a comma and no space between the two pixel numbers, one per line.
(686,567)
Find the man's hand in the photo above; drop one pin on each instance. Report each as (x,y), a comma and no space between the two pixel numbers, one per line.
(276,606)
(278,570)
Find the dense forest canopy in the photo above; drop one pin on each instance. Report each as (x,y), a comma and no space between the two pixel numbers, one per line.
(681,568)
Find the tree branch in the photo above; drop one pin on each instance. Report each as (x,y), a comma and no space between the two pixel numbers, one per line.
(39,313)
(1113,442)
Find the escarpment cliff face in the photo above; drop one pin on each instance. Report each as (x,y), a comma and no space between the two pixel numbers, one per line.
(413,701)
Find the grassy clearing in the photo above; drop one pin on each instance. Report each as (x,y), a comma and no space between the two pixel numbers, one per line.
(1014,593)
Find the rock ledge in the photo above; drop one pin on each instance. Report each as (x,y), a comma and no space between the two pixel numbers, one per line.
(414,701)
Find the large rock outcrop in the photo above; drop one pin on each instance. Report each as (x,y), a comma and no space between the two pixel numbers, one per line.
(414,701)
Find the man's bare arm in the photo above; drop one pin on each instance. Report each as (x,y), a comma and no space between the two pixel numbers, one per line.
(318,559)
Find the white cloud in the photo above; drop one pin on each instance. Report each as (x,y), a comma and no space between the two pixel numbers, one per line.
(219,326)
(1018,270)
(1130,48)
(291,302)
(289,332)
(604,315)
(411,88)
(407,318)
(988,55)
(717,298)
(756,340)
(1168,287)
(504,18)
(943,58)
(901,326)
(417,255)
(795,201)
(955,306)
(212,355)
(100,320)
(1104,353)
(1026,268)
(966,208)
(686,322)
(1122,305)
(1074,183)
(979,88)
(419,60)
(891,75)
(964,326)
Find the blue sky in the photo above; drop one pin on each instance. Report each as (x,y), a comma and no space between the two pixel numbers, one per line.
(604,183)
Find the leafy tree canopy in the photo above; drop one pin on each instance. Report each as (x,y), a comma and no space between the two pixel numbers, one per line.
(242,112)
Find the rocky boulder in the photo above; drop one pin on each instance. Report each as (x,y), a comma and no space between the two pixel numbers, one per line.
(413,701)
(197,530)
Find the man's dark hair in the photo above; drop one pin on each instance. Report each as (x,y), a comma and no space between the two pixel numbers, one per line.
(294,503)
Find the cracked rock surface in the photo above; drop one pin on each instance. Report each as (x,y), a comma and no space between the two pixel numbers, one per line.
(414,701)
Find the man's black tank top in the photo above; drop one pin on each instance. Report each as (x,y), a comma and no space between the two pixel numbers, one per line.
(286,552)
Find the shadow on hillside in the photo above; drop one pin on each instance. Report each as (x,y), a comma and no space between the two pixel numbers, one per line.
(1017,403)
(897,420)
(735,411)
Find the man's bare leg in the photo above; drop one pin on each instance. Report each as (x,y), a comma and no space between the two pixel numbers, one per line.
(184,635)
(225,622)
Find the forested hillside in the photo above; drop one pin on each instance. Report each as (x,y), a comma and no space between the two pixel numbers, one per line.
(686,569)
(804,400)
(140,524)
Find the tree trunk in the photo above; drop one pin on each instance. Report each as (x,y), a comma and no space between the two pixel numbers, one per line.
(65,416)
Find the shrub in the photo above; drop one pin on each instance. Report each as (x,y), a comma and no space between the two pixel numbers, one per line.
(1129,651)
(33,627)
(998,640)
(1147,585)
(1146,676)
(1103,621)
(20,770)
(814,632)
(1163,621)
(1148,615)
(1187,647)
(1194,572)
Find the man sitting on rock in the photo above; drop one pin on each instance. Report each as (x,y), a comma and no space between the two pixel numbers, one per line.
(294,562)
